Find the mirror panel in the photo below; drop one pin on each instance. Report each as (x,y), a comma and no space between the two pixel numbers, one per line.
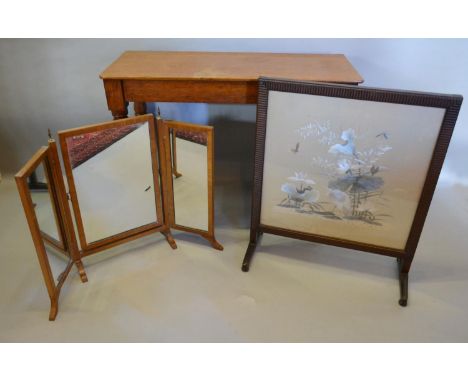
(38,194)
(190,178)
(115,192)
(188,151)
(44,205)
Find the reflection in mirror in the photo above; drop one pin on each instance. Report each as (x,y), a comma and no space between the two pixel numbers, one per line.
(42,199)
(41,194)
(190,178)
(113,177)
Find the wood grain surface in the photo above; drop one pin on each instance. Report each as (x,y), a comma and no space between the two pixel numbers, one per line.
(220,66)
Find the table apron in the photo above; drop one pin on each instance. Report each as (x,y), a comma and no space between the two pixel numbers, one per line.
(238,92)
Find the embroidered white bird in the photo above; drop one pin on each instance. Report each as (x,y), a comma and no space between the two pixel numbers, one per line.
(299,196)
(295,150)
(383,134)
(344,166)
(347,148)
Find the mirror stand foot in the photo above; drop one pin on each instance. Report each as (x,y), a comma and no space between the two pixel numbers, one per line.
(214,243)
(81,271)
(53,309)
(403,279)
(170,239)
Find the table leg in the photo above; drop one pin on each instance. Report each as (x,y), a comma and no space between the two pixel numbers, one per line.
(115,98)
(139,107)
(120,113)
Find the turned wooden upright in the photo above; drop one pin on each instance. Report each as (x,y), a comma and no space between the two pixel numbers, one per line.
(211,77)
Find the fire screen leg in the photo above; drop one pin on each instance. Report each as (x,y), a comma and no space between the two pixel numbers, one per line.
(254,239)
(403,279)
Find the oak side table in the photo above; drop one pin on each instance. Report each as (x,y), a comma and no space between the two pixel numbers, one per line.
(211,77)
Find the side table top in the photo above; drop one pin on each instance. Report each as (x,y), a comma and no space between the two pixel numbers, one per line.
(220,66)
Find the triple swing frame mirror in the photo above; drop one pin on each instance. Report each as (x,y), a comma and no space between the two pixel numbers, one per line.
(126,179)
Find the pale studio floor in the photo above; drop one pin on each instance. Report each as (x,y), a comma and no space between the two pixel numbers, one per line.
(295,291)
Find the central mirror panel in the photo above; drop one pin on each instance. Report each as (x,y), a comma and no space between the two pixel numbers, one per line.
(113,176)
(190,178)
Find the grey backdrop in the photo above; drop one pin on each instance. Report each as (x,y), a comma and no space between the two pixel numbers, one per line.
(54,84)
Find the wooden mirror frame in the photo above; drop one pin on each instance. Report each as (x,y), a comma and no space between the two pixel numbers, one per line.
(162,176)
(48,156)
(451,104)
(166,130)
(158,226)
